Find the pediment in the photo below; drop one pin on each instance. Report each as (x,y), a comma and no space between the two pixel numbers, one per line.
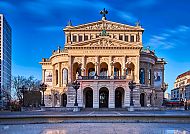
(105,42)
(104,24)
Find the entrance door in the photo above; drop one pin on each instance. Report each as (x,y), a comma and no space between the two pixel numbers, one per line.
(142,99)
(64,100)
(118,99)
(103,98)
(89,98)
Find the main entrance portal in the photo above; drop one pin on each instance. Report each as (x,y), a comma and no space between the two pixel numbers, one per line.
(142,97)
(103,97)
(88,93)
(119,92)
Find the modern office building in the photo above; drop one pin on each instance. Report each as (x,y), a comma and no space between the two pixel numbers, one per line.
(181,89)
(104,56)
(5,61)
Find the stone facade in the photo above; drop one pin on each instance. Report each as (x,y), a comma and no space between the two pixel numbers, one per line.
(103,56)
(181,89)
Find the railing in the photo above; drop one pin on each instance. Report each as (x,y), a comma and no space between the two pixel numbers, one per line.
(102,77)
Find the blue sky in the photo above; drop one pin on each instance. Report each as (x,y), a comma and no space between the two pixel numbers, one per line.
(37,28)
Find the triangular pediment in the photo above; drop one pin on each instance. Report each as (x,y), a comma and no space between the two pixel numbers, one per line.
(104,24)
(105,41)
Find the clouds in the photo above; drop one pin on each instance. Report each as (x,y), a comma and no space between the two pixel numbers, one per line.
(50,28)
(171,38)
(127,16)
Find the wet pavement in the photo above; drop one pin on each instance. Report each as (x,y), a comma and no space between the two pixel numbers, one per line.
(97,128)
(88,113)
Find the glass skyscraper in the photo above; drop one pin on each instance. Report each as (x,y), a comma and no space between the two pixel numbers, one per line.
(5,61)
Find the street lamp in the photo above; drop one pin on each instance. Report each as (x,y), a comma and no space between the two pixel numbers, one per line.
(164,88)
(22,90)
(43,88)
(76,86)
(132,85)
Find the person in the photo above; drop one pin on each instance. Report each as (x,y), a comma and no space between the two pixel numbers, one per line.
(185,105)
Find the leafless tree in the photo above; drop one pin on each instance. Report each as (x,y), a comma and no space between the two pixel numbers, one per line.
(18,81)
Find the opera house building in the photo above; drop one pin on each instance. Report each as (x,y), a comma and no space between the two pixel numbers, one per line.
(103,56)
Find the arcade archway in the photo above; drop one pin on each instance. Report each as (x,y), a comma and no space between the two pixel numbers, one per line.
(103,97)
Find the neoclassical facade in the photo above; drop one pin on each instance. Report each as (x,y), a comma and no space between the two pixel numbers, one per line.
(181,89)
(104,56)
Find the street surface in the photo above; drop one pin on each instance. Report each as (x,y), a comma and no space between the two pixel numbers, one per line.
(94,113)
(97,128)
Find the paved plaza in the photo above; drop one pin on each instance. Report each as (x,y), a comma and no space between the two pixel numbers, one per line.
(97,128)
(95,113)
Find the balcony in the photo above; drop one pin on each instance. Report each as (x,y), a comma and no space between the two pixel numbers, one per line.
(102,77)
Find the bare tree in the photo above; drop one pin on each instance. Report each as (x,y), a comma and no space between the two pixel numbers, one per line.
(30,83)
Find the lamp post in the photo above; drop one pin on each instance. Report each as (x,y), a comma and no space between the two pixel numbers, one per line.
(43,88)
(164,88)
(132,85)
(22,90)
(76,86)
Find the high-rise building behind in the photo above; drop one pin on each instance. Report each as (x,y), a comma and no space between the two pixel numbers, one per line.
(5,60)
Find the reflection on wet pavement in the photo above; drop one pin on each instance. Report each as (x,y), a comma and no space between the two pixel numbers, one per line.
(97,128)
(49,131)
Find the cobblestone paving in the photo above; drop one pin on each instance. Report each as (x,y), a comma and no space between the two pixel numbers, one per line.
(97,128)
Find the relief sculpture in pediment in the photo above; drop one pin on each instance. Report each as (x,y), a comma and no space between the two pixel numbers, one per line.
(103,43)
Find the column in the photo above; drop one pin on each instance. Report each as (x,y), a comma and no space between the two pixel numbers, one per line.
(70,70)
(54,76)
(80,96)
(111,103)
(97,66)
(71,38)
(110,66)
(77,37)
(123,66)
(127,97)
(137,70)
(83,66)
(95,96)
(136,96)
(59,74)
(43,75)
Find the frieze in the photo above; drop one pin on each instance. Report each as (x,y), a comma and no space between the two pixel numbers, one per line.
(108,25)
(77,60)
(104,43)
(90,59)
(104,52)
(104,59)
(65,65)
(118,59)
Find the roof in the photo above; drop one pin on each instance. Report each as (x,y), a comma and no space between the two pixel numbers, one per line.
(104,24)
(183,74)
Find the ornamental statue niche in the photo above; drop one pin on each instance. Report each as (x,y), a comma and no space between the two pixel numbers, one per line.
(138,37)
(69,37)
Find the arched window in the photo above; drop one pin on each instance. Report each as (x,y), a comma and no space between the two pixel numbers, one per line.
(56,75)
(65,76)
(142,76)
(103,69)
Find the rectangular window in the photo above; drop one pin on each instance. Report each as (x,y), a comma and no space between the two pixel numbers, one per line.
(74,38)
(149,77)
(132,38)
(126,38)
(80,38)
(86,37)
(120,37)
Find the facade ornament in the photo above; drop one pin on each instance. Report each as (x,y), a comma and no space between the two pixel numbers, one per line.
(69,37)
(69,23)
(104,33)
(103,13)
(59,49)
(138,23)
(138,37)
